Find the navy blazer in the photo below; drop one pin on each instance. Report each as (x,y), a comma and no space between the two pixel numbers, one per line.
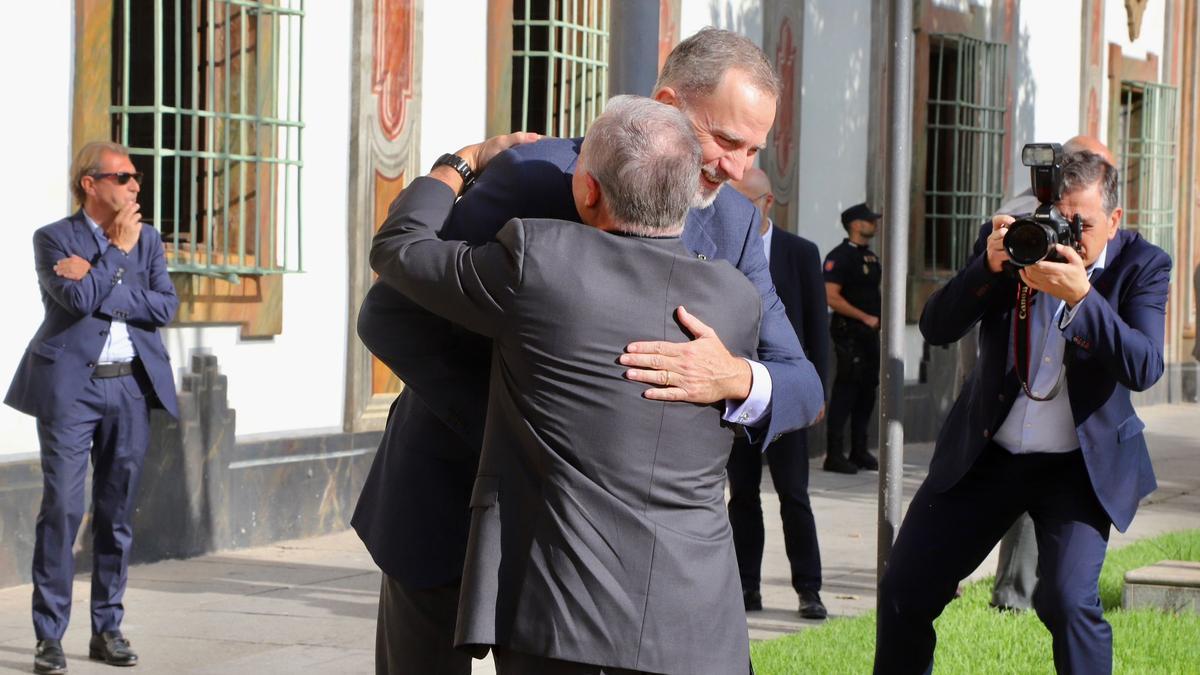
(62,354)
(1114,346)
(413,512)
(796,272)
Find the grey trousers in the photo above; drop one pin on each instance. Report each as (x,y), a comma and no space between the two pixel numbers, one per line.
(1016,571)
(414,634)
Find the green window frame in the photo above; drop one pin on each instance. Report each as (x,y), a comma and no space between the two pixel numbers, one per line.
(1147,135)
(964,152)
(207,96)
(560,65)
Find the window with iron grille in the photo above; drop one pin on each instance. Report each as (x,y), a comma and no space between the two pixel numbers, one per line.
(206,95)
(1146,144)
(964,147)
(560,65)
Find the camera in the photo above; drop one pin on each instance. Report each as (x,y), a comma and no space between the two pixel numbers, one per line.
(1031,238)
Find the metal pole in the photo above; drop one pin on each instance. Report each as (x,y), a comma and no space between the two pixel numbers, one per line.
(895,259)
(633,47)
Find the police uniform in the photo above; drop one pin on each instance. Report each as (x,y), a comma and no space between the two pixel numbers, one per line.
(857,269)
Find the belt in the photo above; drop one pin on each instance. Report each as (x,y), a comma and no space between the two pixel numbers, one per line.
(106,370)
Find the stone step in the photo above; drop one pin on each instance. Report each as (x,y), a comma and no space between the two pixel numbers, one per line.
(1170,585)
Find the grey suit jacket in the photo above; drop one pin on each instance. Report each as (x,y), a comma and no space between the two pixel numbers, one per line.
(598,526)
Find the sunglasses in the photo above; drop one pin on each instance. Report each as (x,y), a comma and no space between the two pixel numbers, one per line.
(122,177)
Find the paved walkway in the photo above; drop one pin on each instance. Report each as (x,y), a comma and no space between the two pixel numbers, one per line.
(309,606)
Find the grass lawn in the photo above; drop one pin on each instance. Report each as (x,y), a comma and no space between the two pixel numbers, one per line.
(973,638)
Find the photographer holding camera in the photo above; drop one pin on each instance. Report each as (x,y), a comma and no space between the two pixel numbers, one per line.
(1016,568)
(1044,423)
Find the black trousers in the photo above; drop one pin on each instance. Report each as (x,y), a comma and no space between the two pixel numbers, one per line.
(787,459)
(414,633)
(854,385)
(947,535)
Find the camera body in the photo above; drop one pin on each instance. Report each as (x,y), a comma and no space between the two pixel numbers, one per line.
(1032,238)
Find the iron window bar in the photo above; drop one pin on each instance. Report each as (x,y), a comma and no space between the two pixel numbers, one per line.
(245,114)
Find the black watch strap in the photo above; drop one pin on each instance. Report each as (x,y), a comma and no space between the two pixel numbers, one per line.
(458,164)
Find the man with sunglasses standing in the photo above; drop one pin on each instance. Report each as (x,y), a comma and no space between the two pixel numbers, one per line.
(90,375)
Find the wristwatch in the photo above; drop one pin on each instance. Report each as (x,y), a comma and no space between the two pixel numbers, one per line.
(458,164)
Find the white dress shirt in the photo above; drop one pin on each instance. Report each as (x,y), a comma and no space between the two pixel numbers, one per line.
(118,348)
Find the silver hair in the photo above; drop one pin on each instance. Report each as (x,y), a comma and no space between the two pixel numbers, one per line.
(1081,170)
(646,159)
(697,65)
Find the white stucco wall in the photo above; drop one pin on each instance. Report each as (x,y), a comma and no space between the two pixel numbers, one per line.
(293,381)
(454,78)
(1116,30)
(1045,105)
(37,122)
(296,380)
(743,16)
(834,113)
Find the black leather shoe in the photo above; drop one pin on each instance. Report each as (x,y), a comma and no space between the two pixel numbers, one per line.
(49,658)
(839,464)
(112,648)
(752,600)
(864,460)
(811,606)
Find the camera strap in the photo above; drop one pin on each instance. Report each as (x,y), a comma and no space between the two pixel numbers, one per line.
(1021,344)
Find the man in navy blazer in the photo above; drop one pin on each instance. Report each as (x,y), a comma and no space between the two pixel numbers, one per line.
(90,375)
(413,514)
(1076,461)
(796,270)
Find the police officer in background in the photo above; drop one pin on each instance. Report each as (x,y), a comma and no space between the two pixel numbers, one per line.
(852,276)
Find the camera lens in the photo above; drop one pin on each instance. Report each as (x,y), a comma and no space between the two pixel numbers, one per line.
(1028,241)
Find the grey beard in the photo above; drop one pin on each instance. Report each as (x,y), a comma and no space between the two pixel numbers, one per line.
(704,200)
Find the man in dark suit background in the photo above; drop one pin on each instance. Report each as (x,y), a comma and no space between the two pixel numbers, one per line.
(599,538)
(89,376)
(413,514)
(1076,461)
(795,266)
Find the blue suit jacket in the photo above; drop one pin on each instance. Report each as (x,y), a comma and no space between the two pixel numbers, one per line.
(1114,346)
(413,513)
(63,352)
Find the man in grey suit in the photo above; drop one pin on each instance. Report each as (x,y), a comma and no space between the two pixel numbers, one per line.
(599,540)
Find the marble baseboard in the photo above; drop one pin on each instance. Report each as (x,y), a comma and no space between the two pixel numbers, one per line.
(201,491)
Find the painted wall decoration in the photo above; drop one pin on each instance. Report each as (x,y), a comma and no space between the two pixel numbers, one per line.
(393,61)
(783,42)
(783,141)
(668,29)
(1091,77)
(384,156)
(1134,10)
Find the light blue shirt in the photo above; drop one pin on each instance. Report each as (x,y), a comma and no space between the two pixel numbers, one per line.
(118,348)
(1044,426)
